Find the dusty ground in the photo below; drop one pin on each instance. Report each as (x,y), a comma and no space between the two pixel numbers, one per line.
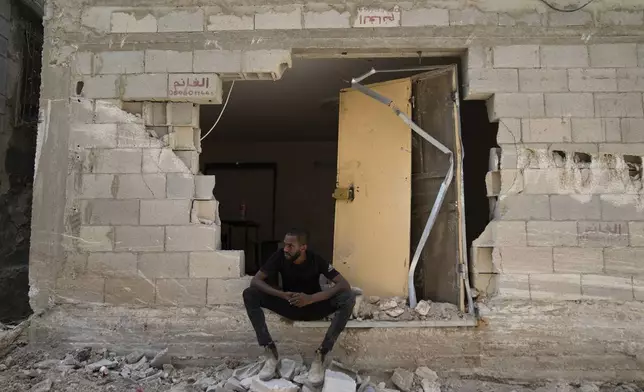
(37,370)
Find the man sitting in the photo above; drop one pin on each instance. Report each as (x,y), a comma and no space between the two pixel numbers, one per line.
(301,298)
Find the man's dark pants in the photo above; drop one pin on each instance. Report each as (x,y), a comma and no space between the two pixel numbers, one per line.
(341,305)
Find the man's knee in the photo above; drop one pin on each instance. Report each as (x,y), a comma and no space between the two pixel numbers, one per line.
(346,299)
(251,295)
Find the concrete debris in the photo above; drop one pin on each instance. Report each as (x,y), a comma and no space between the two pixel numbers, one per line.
(373,300)
(205,382)
(338,382)
(430,386)
(133,357)
(109,364)
(160,359)
(395,312)
(277,385)
(286,368)
(422,308)
(234,385)
(248,371)
(43,386)
(47,364)
(403,379)
(389,304)
(588,387)
(426,373)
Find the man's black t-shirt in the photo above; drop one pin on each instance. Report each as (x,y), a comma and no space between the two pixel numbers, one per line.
(299,278)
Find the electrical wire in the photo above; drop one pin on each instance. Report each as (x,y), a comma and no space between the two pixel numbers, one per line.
(220,113)
(565,9)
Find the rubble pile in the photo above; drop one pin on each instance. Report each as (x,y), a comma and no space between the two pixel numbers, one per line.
(396,308)
(88,370)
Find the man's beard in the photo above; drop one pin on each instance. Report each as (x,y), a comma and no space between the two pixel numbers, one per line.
(291,257)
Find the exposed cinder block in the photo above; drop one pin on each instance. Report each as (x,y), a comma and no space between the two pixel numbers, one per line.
(560,287)
(130,291)
(126,22)
(140,186)
(165,212)
(570,105)
(222,22)
(516,56)
(578,260)
(161,61)
(272,20)
(97,18)
(543,80)
(523,207)
(478,57)
(636,233)
(587,130)
(633,130)
(509,131)
(514,286)
(503,182)
(190,159)
(204,186)
(184,138)
(96,186)
(546,130)
(114,161)
(613,55)
(93,135)
(523,19)
(100,86)
(163,265)
(183,114)
(526,259)
(180,186)
(181,292)
(147,86)
(155,113)
(193,238)
(575,207)
(545,181)
(612,129)
(638,289)
(622,148)
(621,18)
(503,233)
(592,80)
(514,105)
(472,16)
(218,264)
(139,239)
(624,261)
(83,289)
(82,63)
(483,82)
(603,234)
(265,64)
(176,21)
(110,212)
(96,238)
(567,19)
(227,291)
(331,19)
(564,56)
(630,79)
(121,62)
(205,211)
(220,61)
(483,261)
(607,287)
(619,105)
(162,160)
(112,264)
(622,208)
(549,233)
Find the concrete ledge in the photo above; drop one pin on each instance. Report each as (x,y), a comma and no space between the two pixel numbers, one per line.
(465,322)
(517,340)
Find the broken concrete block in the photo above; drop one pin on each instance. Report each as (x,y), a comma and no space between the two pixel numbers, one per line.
(395,312)
(204,186)
(247,371)
(183,114)
(140,186)
(430,386)
(286,368)
(205,382)
(103,362)
(154,113)
(234,385)
(403,379)
(422,308)
(163,160)
(338,382)
(43,386)
(180,186)
(278,385)
(265,64)
(160,359)
(123,22)
(426,373)
(184,138)
(205,212)
(389,304)
(133,357)
(190,159)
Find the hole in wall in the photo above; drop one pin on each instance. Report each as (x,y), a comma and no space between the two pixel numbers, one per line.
(582,159)
(634,164)
(559,158)
(79,87)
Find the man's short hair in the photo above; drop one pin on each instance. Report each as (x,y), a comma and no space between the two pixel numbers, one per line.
(301,235)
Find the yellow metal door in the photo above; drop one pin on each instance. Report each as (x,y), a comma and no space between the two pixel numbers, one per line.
(372,232)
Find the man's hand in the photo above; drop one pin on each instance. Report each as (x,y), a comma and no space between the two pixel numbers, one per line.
(287,295)
(300,300)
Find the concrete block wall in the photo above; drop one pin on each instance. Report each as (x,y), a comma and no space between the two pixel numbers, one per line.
(566,183)
(142,224)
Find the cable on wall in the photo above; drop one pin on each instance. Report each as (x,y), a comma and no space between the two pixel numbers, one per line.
(566,9)
(220,113)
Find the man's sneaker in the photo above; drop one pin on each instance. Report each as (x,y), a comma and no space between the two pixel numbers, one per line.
(270,366)
(316,374)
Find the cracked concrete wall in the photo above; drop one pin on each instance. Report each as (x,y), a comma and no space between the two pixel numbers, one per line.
(566,89)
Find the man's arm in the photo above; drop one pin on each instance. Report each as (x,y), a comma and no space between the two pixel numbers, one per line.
(259,282)
(300,299)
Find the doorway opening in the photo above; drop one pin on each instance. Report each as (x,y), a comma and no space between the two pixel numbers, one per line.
(275,157)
